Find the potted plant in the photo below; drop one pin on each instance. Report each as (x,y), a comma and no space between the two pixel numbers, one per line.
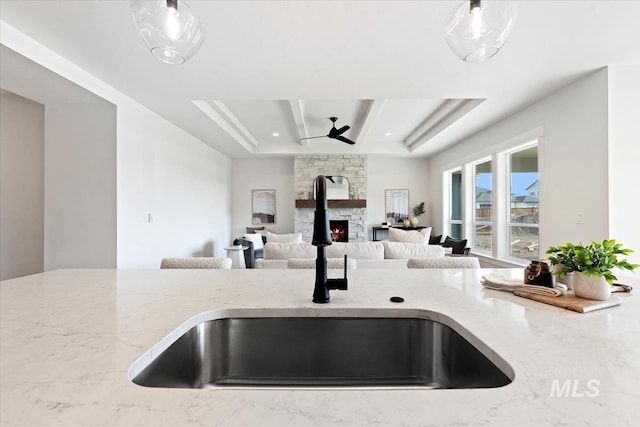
(591,265)
(561,259)
(417,211)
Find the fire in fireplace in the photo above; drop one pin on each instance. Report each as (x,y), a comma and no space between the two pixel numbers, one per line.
(339,230)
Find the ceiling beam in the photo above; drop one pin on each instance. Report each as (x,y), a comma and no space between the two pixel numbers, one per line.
(367,119)
(440,113)
(447,113)
(298,118)
(221,118)
(234,120)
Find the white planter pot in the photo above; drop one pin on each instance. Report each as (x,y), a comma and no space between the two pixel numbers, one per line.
(414,221)
(595,288)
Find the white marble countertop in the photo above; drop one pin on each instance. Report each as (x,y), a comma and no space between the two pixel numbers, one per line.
(68,338)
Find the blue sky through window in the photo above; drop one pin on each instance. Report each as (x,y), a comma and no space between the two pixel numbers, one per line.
(519,181)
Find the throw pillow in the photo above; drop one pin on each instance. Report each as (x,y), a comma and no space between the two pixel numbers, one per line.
(283,238)
(256,239)
(435,240)
(410,236)
(456,245)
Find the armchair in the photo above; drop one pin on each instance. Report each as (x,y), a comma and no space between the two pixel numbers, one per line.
(251,254)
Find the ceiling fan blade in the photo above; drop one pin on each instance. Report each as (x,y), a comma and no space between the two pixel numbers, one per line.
(343,139)
(314,137)
(335,133)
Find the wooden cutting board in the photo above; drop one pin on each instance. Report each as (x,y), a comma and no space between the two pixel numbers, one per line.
(571,302)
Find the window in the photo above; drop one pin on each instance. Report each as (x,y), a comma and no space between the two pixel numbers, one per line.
(455,221)
(493,202)
(483,211)
(523,207)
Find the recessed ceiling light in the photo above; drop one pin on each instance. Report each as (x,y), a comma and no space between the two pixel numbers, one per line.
(387,134)
(275,134)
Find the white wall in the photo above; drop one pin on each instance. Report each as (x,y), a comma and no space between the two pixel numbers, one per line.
(397,173)
(624,157)
(80,186)
(161,170)
(256,174)
(572,160)
(182,183)
(21,187)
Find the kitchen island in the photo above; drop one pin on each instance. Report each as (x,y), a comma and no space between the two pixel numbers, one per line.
(69,337)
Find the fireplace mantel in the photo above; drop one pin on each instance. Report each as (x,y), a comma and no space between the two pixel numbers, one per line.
(333,204)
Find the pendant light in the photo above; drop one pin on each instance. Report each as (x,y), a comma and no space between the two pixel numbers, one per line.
(476,29)
(169,28)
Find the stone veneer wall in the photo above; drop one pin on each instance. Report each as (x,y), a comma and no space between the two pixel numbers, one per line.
(351,166)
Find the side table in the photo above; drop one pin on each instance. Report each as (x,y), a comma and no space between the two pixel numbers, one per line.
(236,253)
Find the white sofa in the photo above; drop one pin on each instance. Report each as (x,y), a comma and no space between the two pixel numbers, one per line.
(367,254)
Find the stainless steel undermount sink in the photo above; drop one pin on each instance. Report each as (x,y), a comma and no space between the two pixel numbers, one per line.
(321,348)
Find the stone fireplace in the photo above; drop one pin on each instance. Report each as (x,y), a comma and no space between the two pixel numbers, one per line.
(353,211)
(339,230)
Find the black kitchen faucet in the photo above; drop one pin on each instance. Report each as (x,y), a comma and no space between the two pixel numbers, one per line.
(322,239)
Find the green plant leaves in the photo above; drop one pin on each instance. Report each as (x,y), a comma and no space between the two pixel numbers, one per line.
(595,259)
(418,209)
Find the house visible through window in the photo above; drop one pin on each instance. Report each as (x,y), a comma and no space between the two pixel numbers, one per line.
(524,209)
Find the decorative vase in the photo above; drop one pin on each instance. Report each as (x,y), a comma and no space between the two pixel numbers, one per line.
(414,221)
(406,222)
(568,280)
(591,287)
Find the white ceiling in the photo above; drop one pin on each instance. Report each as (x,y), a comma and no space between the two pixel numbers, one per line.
(287,66)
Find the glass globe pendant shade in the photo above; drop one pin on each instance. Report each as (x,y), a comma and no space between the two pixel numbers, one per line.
(169,28)
(476,29)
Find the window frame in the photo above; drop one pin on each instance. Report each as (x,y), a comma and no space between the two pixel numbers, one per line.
(449,222)
(508,162)
(501,223)
(474,221)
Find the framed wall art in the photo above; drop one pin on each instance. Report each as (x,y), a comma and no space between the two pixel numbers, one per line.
(263,206)
(396,205)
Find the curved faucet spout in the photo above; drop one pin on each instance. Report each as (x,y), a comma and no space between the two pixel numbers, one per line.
(321,232)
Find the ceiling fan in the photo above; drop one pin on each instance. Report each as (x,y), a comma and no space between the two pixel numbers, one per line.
(335,133)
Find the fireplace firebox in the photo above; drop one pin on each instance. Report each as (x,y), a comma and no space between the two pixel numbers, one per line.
(339,230)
